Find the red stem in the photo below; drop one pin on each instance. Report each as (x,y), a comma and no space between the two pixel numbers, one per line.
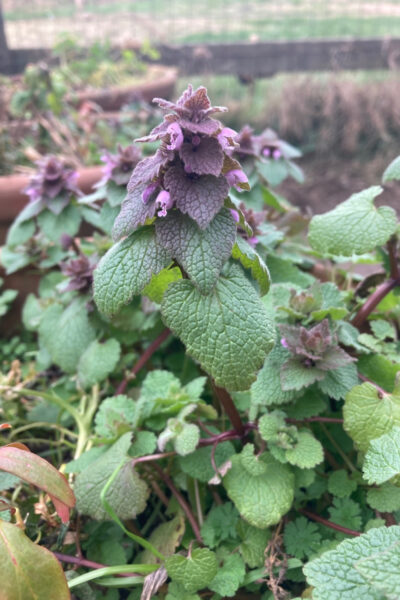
(327,523)
(83,562)
(182,502)
(147,354)
(230,409)
(373,301)
(393,261)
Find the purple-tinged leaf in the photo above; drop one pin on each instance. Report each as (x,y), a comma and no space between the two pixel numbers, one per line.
(149,168)
(204,159)
(199,196)
(134,212)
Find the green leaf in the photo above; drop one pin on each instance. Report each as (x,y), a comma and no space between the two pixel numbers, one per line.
(337,383)
(66,333)
(254,543)
(383,330)
(282,271)
(332,303)
(220,525)
(302,538)
(227,331)
(127,494)
(165,538)
(382,571)
(39,472)
(160,282)
(367,416)
(19,233)
(306,453)
(28,571)
(353,227)
(8,481)
(382,461)
(379,369)
(115,194)
(229,577)
(346,512)
(270,424)
(145,443)
(385,498)
(53,226)
(194,572)
(340,485)
(97,362)
(13,261)
(296,375)
(126,269)
(262,497)
(116,415)
(198,464)
(201,252)
(176,591)
(250,259)
(392,171)
(335,575)
(267,389)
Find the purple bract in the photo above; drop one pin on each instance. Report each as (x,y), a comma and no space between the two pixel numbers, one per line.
(53,184)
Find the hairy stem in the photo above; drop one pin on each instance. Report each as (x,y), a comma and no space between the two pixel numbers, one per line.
(181,501)
(230,409)
(314,517)
(147,354)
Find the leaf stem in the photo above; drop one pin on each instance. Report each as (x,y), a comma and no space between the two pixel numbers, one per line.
(182,502)
(147,354)
(314,517)
(230,409)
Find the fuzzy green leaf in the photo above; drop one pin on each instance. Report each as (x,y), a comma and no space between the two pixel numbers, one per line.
(367,416)
(229,576)
(201,252)
(385,498)
(194,572)
(227,331)
(382,461)
(254,543)
(382,571)
(264,495)
(353,227)
(220,525)
(116,415)
(66,334)
(198,464)
(128,493)
(392,171)
(338,382)
(335,575)
(306,453)
(250,259)
(126,269)
(97,362)
(267,389)
(54,226)
(282,270)
(159,283)
(346,512)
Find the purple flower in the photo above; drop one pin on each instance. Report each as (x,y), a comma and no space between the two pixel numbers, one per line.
(118,167)
(148,191)
(226,138)
(196,139)
(284,343)
(235,178)
(276,153)
(164,202)
(267,152)
(54,183)
(235,215)
(80,272)
(175,136)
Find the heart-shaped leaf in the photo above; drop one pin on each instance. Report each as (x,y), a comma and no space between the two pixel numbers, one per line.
(194,572)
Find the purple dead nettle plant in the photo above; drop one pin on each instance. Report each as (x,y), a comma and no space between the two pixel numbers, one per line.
(118,167)
(192,170)
(53,185)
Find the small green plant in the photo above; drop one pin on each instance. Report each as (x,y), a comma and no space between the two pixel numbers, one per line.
(228,421)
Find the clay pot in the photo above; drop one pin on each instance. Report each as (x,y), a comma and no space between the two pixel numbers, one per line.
(159,82)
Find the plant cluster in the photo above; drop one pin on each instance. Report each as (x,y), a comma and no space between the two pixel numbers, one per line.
(221,394)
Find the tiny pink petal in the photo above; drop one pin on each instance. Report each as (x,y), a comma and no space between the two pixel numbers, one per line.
(176,136)
(164,201)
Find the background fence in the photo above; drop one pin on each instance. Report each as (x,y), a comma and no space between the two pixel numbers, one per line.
(39,23)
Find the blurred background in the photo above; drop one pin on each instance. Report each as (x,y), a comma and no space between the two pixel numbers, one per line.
(323,74)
